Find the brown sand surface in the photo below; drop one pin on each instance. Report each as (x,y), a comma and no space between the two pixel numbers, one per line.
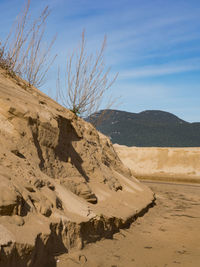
(176,164)
(167,235)
(62,185)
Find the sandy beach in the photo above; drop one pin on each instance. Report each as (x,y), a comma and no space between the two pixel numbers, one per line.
(167,235)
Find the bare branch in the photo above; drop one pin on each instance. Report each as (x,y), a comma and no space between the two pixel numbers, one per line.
(86,80)
(22,53)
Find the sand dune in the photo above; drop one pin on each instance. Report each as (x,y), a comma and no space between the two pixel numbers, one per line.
(62,185)
(171,164)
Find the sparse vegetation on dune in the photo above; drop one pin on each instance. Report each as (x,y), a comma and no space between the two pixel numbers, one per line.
(22,53)
(86,80)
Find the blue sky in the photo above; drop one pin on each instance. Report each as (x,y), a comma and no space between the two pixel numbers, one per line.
(153,44)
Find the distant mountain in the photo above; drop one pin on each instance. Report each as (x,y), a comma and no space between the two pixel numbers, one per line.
(147,128)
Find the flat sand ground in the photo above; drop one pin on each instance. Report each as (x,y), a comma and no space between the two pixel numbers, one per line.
(167,235)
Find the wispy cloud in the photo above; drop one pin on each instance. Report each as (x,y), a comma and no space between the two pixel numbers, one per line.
(161,69)
(147,40)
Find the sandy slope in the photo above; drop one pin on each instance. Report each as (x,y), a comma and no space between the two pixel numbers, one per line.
(62,185)
(166,236)
(175,164)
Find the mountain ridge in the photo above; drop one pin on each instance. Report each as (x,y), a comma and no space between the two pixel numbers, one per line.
(147,128)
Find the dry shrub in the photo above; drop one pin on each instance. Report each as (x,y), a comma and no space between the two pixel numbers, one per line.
(86,81)
(22,52)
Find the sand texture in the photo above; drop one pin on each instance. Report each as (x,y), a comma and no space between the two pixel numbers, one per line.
(62,185)
(167,164)
(166,236)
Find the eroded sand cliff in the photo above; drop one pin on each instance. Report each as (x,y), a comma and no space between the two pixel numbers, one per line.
(167,163)
(61,182)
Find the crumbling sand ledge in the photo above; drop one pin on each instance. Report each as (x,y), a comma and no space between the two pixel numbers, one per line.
(46,247)
(62,184)
(168,235)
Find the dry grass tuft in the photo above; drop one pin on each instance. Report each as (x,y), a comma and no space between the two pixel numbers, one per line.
(22,53)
